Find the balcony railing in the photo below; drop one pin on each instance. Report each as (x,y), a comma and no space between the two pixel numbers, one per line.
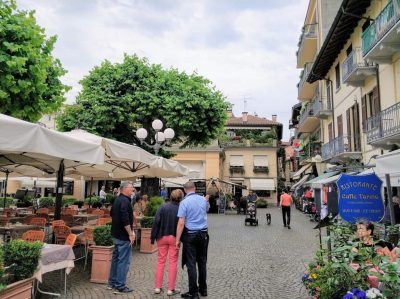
(304,74)
(384,125)
(382,24)
(336,147)
(353,62)
(309,31)
(311,110)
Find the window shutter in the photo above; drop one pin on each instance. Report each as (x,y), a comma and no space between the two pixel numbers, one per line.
(364,112)
(377,101)
(330,132)
(348,120)
(340,125)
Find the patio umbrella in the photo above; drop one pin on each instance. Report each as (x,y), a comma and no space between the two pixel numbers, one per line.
(28,149)
(124,161)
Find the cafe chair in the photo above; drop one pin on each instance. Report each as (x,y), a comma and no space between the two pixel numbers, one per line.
(87,240)
(3,221)
(68,219)
(97,212)
(70,240)
(57,223)
(38,221)
(43,211)
(33,236)
(61,233)
(103,221)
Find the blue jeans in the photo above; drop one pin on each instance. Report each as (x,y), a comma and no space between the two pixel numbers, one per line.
(121,259)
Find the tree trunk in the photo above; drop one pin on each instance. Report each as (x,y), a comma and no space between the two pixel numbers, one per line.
(150,186)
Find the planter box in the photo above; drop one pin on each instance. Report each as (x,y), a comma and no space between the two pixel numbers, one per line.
(101,263)
(145,242)
(18,290)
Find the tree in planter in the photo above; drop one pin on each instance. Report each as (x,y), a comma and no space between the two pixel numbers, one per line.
(117,99)
(30,76)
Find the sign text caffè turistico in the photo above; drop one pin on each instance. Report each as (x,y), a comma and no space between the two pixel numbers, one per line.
(360,197)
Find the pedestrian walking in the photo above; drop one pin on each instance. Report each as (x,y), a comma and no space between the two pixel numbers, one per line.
(103,195)
(193,231)
(164,231)
(285,203)
(123,236)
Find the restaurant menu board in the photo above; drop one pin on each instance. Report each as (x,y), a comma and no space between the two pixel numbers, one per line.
(360,197)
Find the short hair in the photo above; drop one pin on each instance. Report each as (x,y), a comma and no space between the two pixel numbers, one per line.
(145,197)
(189,185)
(176,195)
(125,184)
(368,225)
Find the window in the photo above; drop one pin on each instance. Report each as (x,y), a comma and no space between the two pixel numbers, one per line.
(236,161)
(68,188)
(370,106)
(329,95)
(349,50)
(260,161)
(337,74)
(263,193)
(365,25)
(330,131)
(340,125)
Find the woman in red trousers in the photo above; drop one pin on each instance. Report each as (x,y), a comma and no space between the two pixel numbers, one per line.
(164,231)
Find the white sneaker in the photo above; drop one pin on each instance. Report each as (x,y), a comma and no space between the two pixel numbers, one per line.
(173,292)
(157,291)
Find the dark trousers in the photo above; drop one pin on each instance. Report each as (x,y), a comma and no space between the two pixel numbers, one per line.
(286,213)
(196,254)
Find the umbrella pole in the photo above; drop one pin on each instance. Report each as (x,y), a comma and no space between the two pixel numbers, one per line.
(91,186)
(59,190)
(5,189)
(390,199)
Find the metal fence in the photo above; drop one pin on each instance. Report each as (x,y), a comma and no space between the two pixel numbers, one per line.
(385,124)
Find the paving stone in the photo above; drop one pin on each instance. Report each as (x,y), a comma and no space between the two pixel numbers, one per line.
(266,261)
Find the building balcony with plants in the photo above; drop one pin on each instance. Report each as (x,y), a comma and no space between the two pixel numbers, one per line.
(249,138)
(355,69)
(381,39)
(306,90)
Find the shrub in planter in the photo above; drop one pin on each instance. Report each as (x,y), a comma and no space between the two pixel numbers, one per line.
(110,198)
(67,201)
(92,200)
(46,202)
(261,203)
(9,201)
(23,257)
(102,254)
(145,238)
(24,203)
(153,205)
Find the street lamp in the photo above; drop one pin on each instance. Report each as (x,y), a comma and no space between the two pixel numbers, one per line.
(161,138)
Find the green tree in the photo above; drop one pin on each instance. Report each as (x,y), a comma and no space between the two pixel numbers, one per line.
(29,74)
(116,99)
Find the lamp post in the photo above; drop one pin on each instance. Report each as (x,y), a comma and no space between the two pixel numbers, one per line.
(161,138)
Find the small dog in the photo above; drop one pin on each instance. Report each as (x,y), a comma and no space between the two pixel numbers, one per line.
(268,215)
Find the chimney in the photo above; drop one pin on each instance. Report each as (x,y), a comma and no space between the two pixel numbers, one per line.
(274,117)
(244,117)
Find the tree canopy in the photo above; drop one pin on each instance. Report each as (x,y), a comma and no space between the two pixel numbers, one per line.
(29,75)
(116,99)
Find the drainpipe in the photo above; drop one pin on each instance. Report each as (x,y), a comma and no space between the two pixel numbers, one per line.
(333,107)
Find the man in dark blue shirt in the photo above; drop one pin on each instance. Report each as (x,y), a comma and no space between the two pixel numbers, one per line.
(123,236)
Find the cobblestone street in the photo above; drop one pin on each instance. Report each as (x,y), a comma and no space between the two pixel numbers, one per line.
(243,262)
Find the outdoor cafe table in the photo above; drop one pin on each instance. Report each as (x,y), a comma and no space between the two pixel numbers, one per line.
(15,230)
(55,257)
(80,217)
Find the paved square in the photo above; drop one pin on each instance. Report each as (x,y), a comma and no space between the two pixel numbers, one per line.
(243,262)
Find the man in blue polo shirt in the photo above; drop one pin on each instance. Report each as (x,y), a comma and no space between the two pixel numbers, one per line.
(192,229)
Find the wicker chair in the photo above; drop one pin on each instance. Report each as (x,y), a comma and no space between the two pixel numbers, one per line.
(38,221)
(70,240)
(57,222)
(3,221)
(70,211)
(68,219)
(33,236)
(103,221)
(97,212)
(61,232)
(43,211)
(88,240)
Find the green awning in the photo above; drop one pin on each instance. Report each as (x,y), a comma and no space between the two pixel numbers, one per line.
(316,182)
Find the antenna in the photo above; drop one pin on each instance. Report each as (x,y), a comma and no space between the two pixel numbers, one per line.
(245,98)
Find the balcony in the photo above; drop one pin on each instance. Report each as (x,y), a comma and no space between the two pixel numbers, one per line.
(307,45)
(382,38)
(325,108)
(383,129)
(355,69)
(311,152)
(306,90)
(308,121)
(340,148)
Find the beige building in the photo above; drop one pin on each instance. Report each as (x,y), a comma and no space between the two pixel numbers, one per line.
(350,85)
(250,154)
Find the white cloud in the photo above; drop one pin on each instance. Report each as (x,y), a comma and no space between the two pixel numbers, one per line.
(244,47)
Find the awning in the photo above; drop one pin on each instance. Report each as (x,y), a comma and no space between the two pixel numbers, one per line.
(300,182)
(260,161)
(316,182)
(394,177)
(306,169)
(388,163)
(262,184)
(236,160)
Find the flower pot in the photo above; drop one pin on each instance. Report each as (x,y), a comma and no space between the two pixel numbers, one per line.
(101,263)
(145,242)
(18,290)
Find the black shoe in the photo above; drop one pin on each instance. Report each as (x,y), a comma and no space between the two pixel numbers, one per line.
(203,293)
(284,225)
(189,295)
(288,226)
(123,291)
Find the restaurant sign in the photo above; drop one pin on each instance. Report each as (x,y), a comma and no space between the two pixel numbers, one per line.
(360,197)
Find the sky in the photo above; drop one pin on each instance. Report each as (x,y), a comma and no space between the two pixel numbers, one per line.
(247,48)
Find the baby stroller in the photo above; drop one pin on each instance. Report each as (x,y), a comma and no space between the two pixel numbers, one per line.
(251,214)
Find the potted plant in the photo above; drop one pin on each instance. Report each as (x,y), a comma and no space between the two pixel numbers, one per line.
(146,224)
(46,202)
(101,254)
(20,259)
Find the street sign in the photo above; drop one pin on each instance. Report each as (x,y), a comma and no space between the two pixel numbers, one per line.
(360,197)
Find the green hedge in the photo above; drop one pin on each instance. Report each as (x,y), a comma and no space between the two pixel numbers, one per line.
(261,203)
(9,201)
(147,222)
(153,205)
(46,202)
(102,236)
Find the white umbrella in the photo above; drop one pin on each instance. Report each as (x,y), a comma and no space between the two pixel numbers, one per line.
(31,150)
